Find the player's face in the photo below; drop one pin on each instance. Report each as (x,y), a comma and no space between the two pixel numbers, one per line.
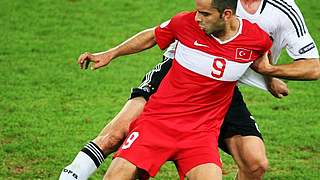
(208,17)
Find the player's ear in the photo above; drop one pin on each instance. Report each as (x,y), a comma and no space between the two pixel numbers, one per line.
(227,14)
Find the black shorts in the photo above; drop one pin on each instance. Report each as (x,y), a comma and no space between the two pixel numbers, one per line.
(238,120)
(152,80)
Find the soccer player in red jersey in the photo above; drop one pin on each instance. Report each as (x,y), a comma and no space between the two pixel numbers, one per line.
(181,122)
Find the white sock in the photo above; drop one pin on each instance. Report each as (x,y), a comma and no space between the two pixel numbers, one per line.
(85,163)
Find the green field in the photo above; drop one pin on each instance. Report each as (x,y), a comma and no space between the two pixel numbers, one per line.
(49,108)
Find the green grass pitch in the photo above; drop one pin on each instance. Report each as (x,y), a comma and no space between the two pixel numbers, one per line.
(49,108)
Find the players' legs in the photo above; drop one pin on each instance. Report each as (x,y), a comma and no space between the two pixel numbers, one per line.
(241,138)
(207,171)
(121,169)
(250,156)
(112,136)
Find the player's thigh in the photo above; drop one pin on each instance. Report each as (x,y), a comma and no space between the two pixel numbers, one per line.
(121,169)
(121,122)
(207,171)
(247,150)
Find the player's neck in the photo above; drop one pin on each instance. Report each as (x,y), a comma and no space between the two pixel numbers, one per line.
(251,6)
(232,28)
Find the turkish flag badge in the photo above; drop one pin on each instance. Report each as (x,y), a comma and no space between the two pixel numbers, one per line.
(243,54)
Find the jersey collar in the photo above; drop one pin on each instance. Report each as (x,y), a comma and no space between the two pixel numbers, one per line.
(233,37)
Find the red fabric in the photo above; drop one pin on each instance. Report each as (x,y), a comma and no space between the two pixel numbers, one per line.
(153,147)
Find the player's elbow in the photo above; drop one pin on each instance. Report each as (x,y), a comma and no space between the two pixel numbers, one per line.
(310,69)
(316,74)
(315,71)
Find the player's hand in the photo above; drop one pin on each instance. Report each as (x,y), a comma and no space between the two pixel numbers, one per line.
(278,88)
(99,59)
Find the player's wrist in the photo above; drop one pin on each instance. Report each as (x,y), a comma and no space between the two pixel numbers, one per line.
(112,53)
(268,80)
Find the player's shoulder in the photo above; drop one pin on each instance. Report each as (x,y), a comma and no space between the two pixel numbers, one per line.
(283,8)
(282,3)
(182,19)
(255,36)
(252,29)
(287,15)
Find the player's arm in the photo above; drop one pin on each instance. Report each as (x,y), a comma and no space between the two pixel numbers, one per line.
(302,69)
(279,89)
(137,43)
(300,47)
(306,69)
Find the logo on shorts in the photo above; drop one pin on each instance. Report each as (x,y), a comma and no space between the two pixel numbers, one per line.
(307,48)
(146,89)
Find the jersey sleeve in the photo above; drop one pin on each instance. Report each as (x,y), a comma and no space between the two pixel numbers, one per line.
(164,34)
(298,42)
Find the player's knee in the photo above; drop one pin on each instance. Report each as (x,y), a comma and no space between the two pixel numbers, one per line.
(120,169)
(115,138)
(110,175)
(257,167)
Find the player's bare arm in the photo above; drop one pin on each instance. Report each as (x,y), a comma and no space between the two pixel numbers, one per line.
(139,42)
(302,69)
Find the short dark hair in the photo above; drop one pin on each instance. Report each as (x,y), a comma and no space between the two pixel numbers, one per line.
(221,5)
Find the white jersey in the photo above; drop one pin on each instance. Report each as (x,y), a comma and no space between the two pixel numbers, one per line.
(283,21)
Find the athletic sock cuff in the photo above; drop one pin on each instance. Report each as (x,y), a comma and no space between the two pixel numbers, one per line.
(94,152)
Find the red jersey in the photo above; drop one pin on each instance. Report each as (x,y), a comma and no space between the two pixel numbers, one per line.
(197,91)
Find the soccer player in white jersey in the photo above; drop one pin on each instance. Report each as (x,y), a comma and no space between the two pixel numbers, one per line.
(283,21)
